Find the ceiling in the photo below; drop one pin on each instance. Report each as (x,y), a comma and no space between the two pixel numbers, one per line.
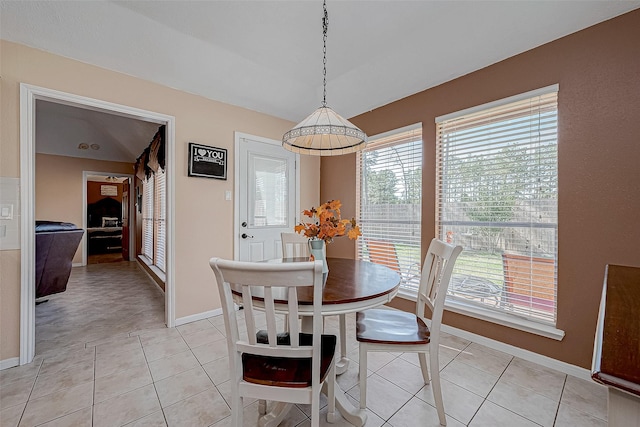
(65,130)
(267,55)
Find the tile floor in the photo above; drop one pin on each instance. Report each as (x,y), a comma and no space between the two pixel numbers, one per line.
(104,358)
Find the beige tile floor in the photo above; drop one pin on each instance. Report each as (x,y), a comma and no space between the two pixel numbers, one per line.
(104,358)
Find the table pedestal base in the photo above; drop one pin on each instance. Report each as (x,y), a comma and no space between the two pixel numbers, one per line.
(355,416)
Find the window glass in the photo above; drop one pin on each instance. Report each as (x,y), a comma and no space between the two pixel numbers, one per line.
(497,181)
(389,202)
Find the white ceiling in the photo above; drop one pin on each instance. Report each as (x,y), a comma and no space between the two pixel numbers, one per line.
(267,55)
(75,132)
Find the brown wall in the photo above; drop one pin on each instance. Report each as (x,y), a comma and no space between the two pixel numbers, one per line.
(94,193)
(598,70)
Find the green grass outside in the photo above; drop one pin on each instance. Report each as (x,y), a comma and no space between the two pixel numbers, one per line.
(477,263)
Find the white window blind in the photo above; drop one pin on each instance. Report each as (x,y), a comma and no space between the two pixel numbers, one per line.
(147,217)
(389,193)
(497,197)
(159,219)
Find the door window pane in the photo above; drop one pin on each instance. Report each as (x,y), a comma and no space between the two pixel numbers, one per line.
(268,196)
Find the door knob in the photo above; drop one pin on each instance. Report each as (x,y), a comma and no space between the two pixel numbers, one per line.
(246,236)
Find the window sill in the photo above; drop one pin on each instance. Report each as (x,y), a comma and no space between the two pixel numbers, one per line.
(155,270)
(503,319)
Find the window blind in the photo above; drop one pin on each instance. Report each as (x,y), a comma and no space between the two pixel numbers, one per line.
(497,197)
(159,219)
(147,216)
(389,194)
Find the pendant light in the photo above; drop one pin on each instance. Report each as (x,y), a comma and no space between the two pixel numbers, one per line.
(324,132)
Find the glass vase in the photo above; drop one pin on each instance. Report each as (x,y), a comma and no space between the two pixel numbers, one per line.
(318,249)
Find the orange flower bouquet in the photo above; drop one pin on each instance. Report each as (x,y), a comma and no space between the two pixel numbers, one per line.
(328,223)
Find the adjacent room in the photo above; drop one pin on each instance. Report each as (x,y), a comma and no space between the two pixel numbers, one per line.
(297,213)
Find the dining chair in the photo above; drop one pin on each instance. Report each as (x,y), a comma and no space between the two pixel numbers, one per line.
(398,331)
(271,364)
(297,245)
(294,245)
(384,252)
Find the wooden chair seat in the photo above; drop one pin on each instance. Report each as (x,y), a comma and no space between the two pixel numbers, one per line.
(287,372)
(391,327)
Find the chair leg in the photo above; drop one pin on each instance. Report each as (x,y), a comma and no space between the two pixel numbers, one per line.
(363,376)
(435,385)
(236,410)
(331,395)
(315,410)
(262,407)
(424,367)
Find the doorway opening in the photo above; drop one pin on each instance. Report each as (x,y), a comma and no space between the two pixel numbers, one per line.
(108,212)
(29,95)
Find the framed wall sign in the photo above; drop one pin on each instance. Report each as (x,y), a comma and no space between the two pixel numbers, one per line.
(207,162)
(109,190)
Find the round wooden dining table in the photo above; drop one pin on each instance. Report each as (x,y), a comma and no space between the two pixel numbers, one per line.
(351,286)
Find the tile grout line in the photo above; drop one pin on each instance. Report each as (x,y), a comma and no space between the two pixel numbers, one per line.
(30,392)
(95,368)
(564,384)
(518,385)
(486,398)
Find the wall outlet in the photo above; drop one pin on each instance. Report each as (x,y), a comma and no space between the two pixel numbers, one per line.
(227,195)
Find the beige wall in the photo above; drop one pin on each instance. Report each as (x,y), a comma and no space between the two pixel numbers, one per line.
(598,70)
(204,220)
(59,187)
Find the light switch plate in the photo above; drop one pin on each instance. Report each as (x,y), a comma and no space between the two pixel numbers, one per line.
(9,213)
(6,211)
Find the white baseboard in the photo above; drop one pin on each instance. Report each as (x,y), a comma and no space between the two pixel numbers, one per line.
(9,363)
(77,264)
(530,356)
(199,316)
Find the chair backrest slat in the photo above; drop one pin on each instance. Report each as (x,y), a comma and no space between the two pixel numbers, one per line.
(275,285)
(294,326)
(436,275)
(270,315)
(249,320)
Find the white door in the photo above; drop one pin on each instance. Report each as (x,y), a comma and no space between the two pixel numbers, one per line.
(266,195)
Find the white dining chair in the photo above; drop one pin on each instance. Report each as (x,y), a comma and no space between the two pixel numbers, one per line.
(272,364)
(387,330)
(297,245)
(294,245)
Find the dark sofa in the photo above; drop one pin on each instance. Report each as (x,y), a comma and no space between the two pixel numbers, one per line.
(56,244)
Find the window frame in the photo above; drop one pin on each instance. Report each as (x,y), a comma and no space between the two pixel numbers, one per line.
(405,261)
(156,260)
(148,190)
(459,305)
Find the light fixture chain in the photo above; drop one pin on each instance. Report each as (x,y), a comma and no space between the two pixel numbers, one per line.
(324,132)
(325,27)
